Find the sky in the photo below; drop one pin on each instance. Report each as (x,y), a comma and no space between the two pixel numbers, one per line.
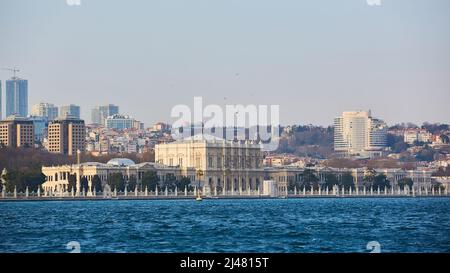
(313,58)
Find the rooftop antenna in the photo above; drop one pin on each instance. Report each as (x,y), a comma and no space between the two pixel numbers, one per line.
(14,70)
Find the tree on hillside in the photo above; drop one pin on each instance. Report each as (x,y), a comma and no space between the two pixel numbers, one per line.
(396,143)
(427,154)
(444,139)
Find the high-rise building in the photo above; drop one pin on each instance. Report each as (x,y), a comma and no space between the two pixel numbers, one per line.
(66,136)
(1,109)
(17,97)
(16,131)
(121,122)
(358,134)
(100,113)
(47,110)
(70,110)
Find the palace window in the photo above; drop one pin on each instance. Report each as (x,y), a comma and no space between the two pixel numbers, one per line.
(210,162)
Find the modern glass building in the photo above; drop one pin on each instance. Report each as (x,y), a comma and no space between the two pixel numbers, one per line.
(40,127)
(17,97)
(70,110)
(47,110)
(1,109)
(100,113)
(119,122)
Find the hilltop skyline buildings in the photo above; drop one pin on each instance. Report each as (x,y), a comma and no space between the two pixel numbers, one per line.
(100,113)
(46,110)
(70,110)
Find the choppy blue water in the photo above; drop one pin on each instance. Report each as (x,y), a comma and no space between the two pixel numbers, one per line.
(291,225)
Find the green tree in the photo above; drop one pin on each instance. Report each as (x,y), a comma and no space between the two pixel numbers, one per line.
(183,183)
(405,181)
(437,186)
(331,180)
(381,181)
(84,184)
(369,178)
(347,181)
(170,182)
(132,183)
(150,180)
(72,182)
(116,181)
(23,179)
(97,184)
(396,143)
(309,179)
(427,154)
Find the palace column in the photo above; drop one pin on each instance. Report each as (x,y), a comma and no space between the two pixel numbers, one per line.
(78,181)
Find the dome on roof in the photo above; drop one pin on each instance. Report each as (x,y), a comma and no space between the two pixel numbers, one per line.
(121,162)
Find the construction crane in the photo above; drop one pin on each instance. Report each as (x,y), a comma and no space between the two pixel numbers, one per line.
(14,70)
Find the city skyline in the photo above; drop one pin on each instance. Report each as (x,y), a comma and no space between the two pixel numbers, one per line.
(357,57)
(88,117)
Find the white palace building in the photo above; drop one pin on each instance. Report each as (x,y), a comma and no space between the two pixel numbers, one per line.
(223,166)
(217,166)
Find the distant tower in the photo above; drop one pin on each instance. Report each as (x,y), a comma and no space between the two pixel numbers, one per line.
(1,100)
(69,110)
(100,113)
(47,110)
(17,97)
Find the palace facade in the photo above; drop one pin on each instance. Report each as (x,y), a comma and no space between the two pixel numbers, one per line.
(224,166)
(57,177)
(217,166)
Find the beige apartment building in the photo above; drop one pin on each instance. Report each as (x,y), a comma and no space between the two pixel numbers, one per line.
(16,132)
(66,136)
(224,166)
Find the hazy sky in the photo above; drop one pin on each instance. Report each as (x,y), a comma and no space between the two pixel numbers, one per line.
(314,58)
